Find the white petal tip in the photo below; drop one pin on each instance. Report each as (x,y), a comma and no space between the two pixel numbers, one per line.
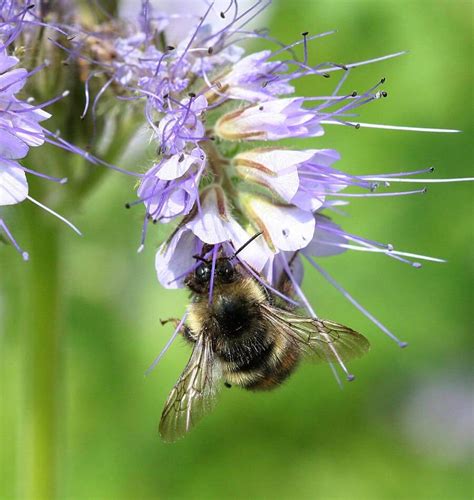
(403,345)
(65,93)
(63,180)
(25,256)
(140,248)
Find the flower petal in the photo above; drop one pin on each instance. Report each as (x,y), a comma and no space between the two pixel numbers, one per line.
(325,240)
(288,227)
(13,183)
(210,225)
(276,168)
(175,257)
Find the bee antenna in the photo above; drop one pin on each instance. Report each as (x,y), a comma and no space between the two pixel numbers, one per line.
(255,236)
(202,259)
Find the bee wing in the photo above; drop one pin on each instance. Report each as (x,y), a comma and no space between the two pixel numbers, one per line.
(322,340)
(193,394)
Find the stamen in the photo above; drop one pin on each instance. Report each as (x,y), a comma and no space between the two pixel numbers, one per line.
(267,285)
(373,195)
(17,247)
(297,288)
(305,40)
(355,303)
(305,47)
(414,181)
(394,127)
(369,61)
(191,40)
(52,212)
(59,180)
(312,313)
(44,104)
(213,268)
(146,221)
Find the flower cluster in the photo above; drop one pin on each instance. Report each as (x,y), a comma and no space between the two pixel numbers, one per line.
(204,93)
(217,118)
(20,127)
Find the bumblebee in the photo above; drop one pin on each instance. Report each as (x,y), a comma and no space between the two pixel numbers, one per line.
(244,337)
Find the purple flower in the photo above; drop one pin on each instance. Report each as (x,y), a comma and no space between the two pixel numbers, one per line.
(273,120)
(19,121)
(214,224)
(20,129)
(254,78)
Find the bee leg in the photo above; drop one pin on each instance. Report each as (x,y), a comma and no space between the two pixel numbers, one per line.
(227,385)
(184,330)
(170,320)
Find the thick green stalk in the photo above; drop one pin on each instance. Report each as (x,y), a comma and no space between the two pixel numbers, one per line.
(42,354)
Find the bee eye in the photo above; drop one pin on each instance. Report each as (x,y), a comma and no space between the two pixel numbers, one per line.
(226,271)
(203,272)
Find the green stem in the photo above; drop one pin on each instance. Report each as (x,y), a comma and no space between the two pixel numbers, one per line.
(42,339)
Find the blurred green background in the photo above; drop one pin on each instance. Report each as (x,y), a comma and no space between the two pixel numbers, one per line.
(403,429)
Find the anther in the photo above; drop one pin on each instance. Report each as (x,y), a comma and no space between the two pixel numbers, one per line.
(384,93)
(192,95)
(424,190)
(305,33)
(260,108)
(354,94)
(166,96)
(127,205)
(222,15)
(431,169)
(181,158)
(210,50)
(169,47)
(382,80)
(357,126)
(326,75)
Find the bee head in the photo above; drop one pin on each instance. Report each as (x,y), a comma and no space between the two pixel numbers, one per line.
(224,272)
